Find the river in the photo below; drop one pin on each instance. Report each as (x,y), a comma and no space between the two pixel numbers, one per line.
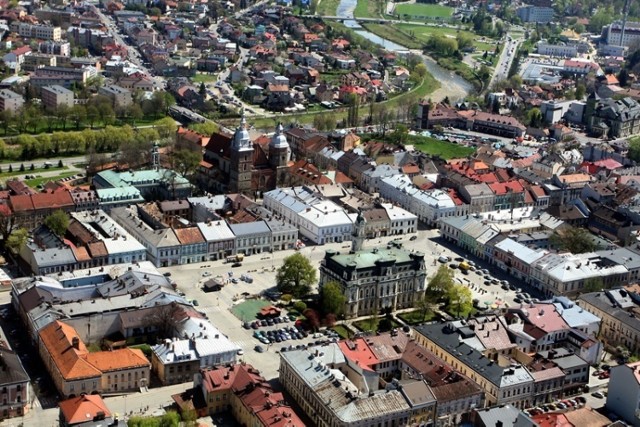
(451,84)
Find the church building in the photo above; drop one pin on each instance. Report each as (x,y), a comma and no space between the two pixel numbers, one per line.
(236,164)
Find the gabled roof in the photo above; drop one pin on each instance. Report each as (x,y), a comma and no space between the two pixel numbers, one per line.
(83,408)
(58,338)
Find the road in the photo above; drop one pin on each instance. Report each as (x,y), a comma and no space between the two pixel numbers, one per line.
(133,53)
(216,305)
(507,56)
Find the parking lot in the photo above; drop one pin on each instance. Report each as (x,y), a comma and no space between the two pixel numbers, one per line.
(490,287)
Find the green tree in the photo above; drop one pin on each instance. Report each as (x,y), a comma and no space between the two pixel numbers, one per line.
(440,284)
(634,150)
(208,128)
(332,298)
(299,306)
(593,284)
(420,70)
(16,239)
(534,117)
(573,239)
(602,17)
(464,40)
(296,275)
(424,305)
(460,300)
(580,91)
(58,222)
(186,162)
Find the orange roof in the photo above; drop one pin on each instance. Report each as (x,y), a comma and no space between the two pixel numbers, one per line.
(83,408)
(190,235)
(612,79)
(57,338)
(124,358)
(576,177)
(359,352)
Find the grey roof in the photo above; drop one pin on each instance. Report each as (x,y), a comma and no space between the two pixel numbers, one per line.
(622,256)
(250,228)
(569,362)
(129,219)
(600,301)
(332,386)
(504,415)
(448,338)
(280,226)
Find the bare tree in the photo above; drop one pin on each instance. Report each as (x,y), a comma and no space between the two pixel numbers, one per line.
(164,320)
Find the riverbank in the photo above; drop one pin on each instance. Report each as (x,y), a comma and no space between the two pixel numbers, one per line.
(429,85)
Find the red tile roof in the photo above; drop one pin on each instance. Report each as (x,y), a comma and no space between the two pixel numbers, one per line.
(83,408)
(58,338)
(359,352)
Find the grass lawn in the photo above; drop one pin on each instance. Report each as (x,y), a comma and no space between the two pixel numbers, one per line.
(248,309)
(428,10)
(416,317)
(367,9)
(442,149)
(204,78)
(27,171)
(452,310)
(94,348)
(342,331)
(33,183)
(371,323)
(422,33)
(391,33)
(327,7)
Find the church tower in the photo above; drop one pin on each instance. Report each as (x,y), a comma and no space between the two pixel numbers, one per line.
(241,161)
(279,155)
(359,233)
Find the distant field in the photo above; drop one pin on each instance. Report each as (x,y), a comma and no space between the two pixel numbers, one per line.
(422,33)
(428,10)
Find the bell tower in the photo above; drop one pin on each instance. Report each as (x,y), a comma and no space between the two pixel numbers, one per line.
(241,160)
(279,155)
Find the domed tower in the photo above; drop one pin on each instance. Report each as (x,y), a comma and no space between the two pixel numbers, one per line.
(279,154)
(241,160)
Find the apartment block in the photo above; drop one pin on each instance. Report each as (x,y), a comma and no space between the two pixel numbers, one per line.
(10,101)
(56,96)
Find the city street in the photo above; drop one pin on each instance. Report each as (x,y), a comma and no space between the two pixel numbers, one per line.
(261,267)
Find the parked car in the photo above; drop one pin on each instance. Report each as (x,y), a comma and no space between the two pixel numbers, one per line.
(259,349)
(598,395)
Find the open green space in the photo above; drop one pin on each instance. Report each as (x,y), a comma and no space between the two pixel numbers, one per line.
(204,78)
(422,33)
(427,10)
(443,149)
(391,33)
(247,310)
(369,9)
(6,174)
(39,180)
(327,7)
(416,317)
(371,323)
